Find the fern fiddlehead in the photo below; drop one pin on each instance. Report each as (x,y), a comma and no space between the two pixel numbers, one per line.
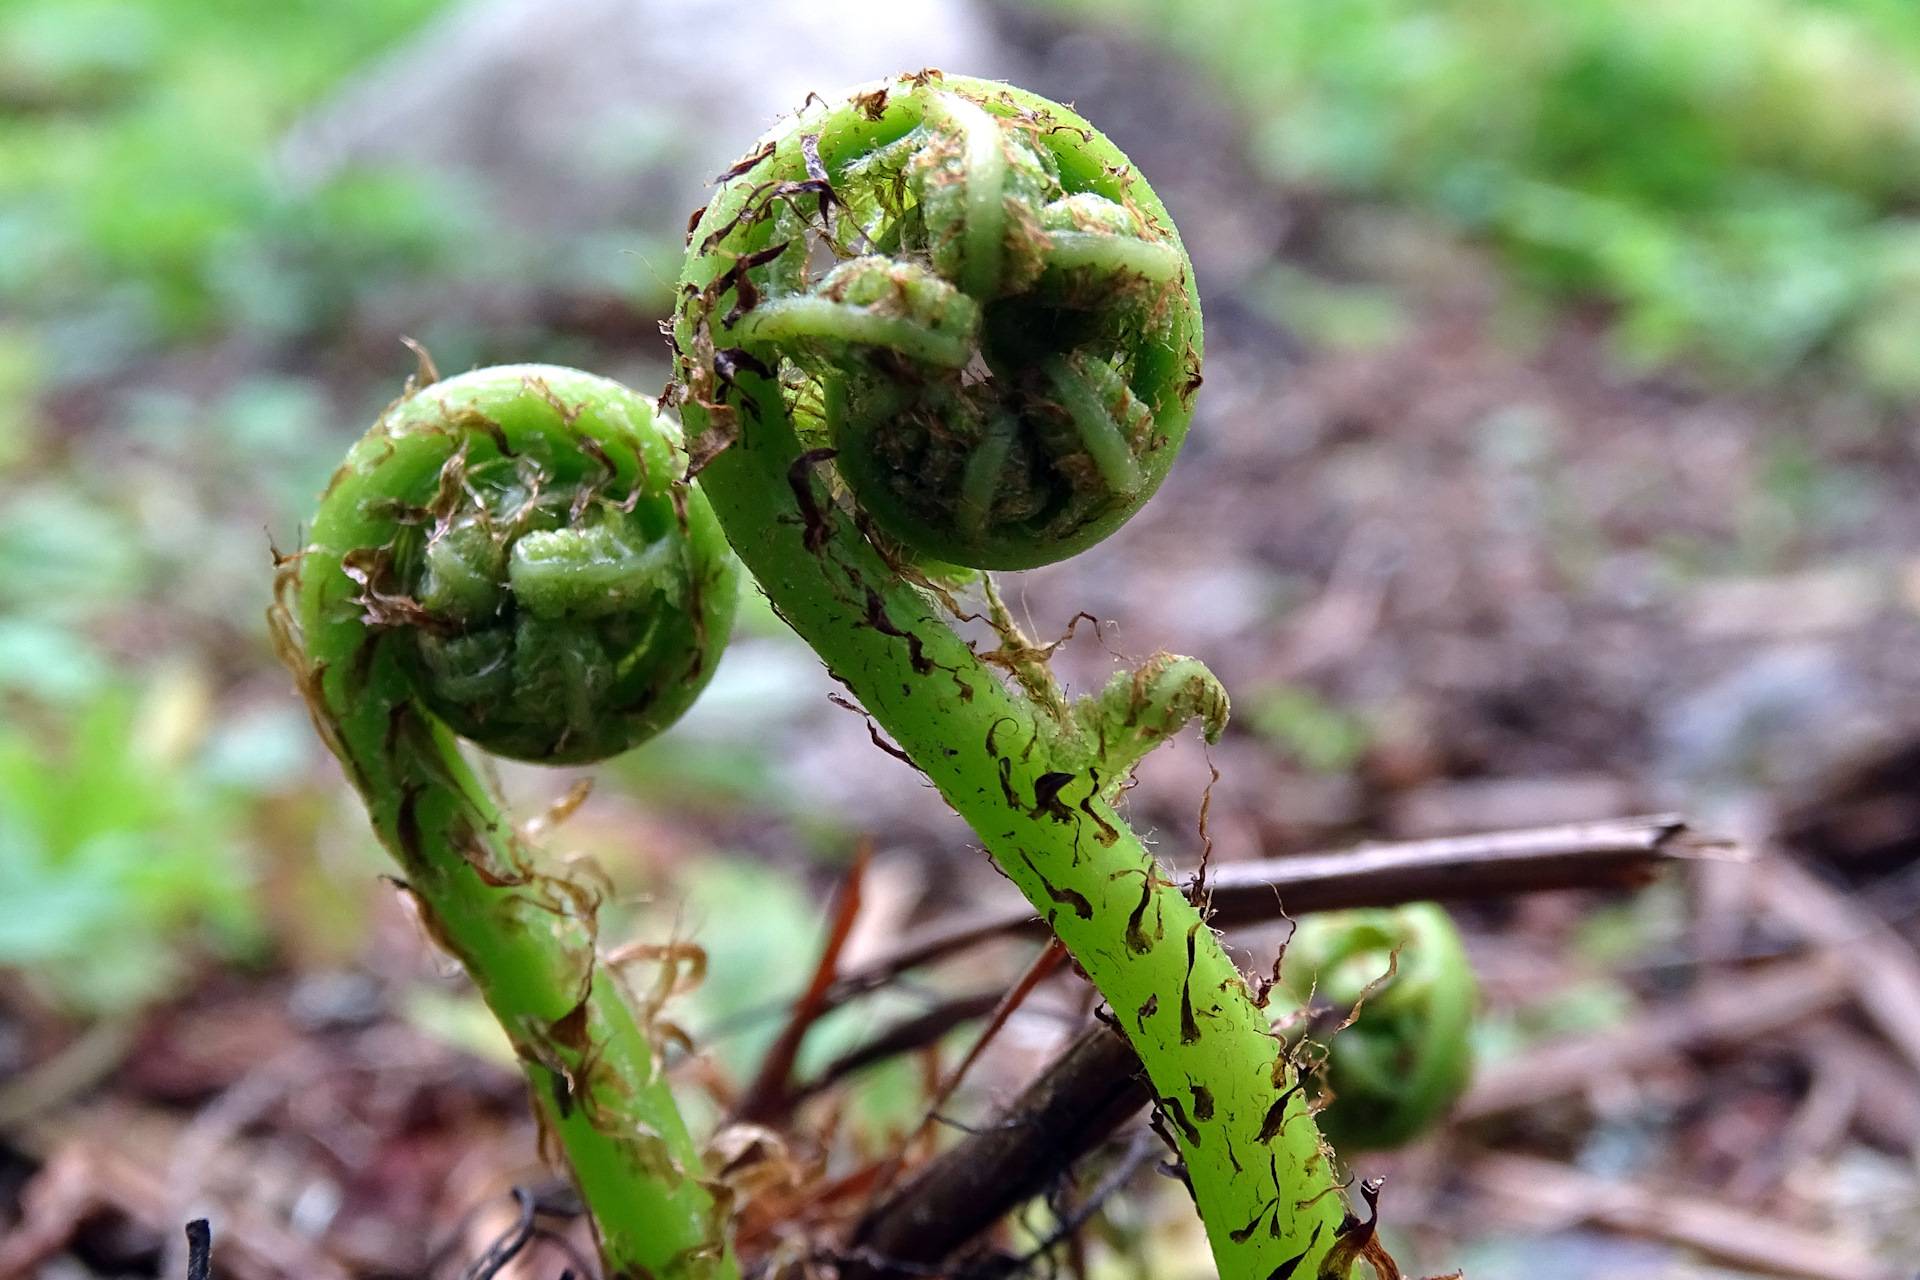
(999,365)
(1402,978)
(513,555)
(1004,353)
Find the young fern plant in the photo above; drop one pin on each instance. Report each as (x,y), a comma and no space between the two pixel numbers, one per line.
(514,555)
(943,322)
(1401,1055)
(936,327)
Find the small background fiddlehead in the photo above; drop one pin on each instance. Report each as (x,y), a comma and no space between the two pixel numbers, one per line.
(1400,983)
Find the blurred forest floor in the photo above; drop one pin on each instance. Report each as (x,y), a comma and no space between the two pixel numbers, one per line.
(1471,551)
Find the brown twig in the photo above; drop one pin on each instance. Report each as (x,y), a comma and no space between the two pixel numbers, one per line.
(906,1036)
(1049,959)
(1081,1098)
(1725,1011)
(1553,1194)
(1621,853)
(1885,969)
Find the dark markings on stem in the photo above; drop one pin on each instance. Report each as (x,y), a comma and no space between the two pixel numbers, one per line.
(488,427)
(746,294)
(877,619)
(758,203)
(1004,764)
(1178,1114)
(569,1030)
(812,186)
(750,209)
(1157,1121)
(360,671)
(1276,1118)
(1061,126)
(1069,898)
(1046,796)
(1273,1175)
(1286,1269)
(871,105)
(873,731)
(751,160)
(1137,940)
(1147,1010)
(397,716)
(1189,1028)
(730,362)
(1202,1101)
(1108,832)
(693,220)
(1194,378)
(560,1088)
(813,516)
(406,822)
(1267,1210)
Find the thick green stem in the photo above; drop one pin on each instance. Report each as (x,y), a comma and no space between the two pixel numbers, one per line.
(530,457)
(1024,781)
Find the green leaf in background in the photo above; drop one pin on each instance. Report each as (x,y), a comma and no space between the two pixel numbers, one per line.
(116,860)
(140,202)
(1731,173)
(1319,735)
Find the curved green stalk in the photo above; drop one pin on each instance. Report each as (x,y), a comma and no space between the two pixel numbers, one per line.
(939,194)
(513,553)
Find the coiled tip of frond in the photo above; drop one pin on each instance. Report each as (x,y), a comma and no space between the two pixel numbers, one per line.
(521,542)
(1402,978)
(1005,345)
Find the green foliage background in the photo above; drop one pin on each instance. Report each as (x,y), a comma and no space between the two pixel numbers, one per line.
(1735,177)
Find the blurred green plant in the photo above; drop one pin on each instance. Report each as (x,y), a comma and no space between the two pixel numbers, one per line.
(1317,734)
(137,201)
(1738,176)
(61,557)
(736,1013)
(119,855)
(1408,993)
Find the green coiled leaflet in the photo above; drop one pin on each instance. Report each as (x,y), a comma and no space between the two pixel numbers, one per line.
(441,587)
(1406,1056)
